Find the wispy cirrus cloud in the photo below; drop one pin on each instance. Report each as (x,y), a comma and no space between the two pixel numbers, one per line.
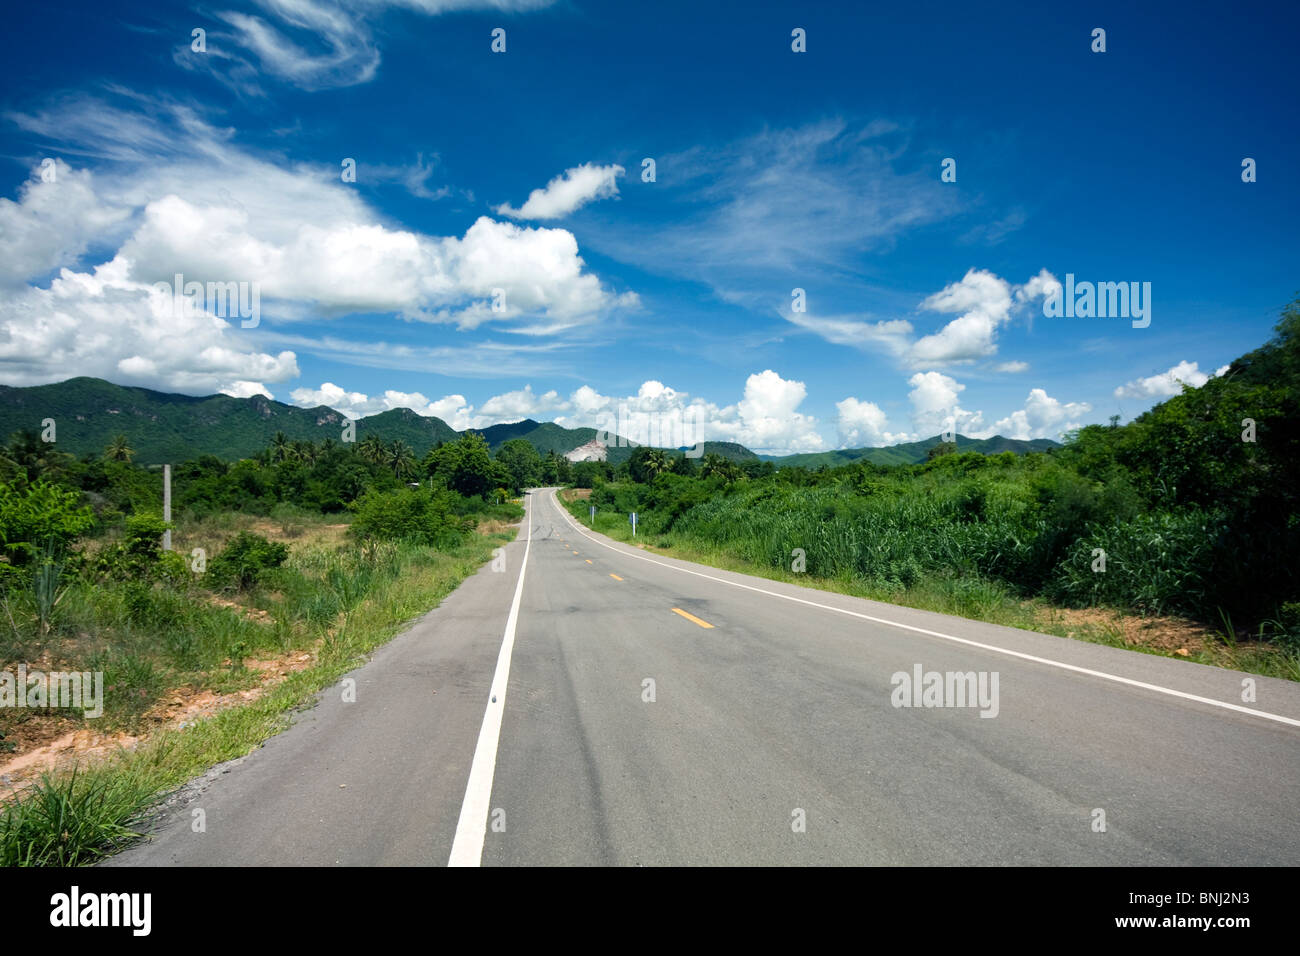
(310,44)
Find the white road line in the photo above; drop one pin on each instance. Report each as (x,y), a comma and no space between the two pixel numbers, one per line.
(947,637)
(471,828)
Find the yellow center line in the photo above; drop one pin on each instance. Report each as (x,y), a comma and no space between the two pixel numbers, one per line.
(691,617)
(616,577)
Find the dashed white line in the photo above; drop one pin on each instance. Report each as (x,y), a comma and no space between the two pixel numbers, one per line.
(471,828)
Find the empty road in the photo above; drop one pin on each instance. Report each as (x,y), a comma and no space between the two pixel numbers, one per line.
(650,711)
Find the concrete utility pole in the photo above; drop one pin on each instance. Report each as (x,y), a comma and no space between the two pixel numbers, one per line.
(167,506)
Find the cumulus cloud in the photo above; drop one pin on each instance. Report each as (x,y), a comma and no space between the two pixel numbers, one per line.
(567,192)
(986,302)
(105,324)
(1167,383)
(242,389)
(52,223)
(453,409)
(865,423)
(1042,417)
(765,419)
(518,405)
(936,409)
(308,244)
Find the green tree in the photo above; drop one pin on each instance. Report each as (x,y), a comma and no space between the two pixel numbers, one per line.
(400,460)
(466,467)
(941,449)
(715,466)
(28,458)
(119,450)
(372,449)
(522,462)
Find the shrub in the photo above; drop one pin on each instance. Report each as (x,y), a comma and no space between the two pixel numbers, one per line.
(41,514)
(138,555)
(245,559)
(409,514)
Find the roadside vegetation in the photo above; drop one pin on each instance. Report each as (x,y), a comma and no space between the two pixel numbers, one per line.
(286,570)
(1191,511)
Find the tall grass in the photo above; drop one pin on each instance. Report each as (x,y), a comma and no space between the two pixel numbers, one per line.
(351,600)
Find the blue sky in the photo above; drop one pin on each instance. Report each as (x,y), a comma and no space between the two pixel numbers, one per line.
(775,170)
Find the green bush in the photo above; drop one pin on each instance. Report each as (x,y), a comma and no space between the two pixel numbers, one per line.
(409,514)
(39,515)
(244,561)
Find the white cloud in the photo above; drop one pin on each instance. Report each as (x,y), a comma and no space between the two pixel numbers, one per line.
(52,223)
(1167,383)
(1012,367)
(518,405)
(311,44)
(452,409)
(891,336)
(936,409)
(1042,417)
(242,389)
(307,243)
(807,200)
(568,192)
(105,324)
(865,423)
(986,302)
(766,419)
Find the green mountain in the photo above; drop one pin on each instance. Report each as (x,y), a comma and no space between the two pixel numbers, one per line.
(164,427)
(910,453)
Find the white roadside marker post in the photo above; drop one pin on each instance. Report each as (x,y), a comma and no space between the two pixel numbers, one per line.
(634,524)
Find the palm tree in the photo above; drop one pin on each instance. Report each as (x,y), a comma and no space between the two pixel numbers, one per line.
(401,459)
(118,450)
(657,462)
(305,452)
(280,449)
(717,465)
(32,457)
(372,449)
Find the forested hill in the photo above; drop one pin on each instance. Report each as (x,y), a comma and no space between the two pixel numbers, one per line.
(910,453)
(164,427)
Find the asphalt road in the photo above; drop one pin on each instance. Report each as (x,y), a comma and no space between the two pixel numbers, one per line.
(772,737)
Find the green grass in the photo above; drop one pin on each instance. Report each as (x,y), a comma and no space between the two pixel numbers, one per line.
(78,817)
(962,594)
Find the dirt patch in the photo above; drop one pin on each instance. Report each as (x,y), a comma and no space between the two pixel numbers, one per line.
(1171,635)
(252,613)
(49,742)
(575,494)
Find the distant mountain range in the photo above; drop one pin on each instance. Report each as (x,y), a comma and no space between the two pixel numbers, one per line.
(164,427)
(910,453)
